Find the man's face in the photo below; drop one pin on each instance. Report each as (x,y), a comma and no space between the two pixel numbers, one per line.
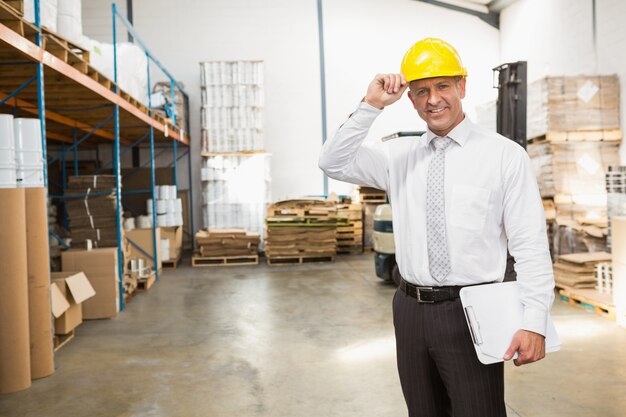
(438,102)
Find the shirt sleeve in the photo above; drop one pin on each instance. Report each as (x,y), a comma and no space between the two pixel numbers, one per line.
(346,158)
(525,226)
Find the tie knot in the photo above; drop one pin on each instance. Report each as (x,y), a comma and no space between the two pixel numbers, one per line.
(442,143)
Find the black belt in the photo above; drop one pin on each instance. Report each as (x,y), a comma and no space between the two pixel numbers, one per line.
(430,295)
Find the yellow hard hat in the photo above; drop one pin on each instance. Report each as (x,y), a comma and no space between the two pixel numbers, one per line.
(431,57)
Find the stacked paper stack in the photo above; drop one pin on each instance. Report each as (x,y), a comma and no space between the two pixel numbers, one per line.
(227,242)
(578,270)
(169,208)
(90,205)
(301,231)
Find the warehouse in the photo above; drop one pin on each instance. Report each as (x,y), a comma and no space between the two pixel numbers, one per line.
(228,208)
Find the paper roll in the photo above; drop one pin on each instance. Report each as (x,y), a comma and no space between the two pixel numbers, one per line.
(40,314)
(15,340)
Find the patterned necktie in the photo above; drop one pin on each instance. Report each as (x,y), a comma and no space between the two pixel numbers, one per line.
(438,257)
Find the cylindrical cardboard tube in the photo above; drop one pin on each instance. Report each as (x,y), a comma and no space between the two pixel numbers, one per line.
(39,312)
(14,343)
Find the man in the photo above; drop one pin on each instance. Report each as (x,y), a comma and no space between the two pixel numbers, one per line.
(460,194)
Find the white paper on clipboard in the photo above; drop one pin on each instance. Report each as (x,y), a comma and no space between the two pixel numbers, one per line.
(494,314)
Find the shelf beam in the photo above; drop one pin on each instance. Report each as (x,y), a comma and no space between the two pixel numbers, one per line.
(33,52)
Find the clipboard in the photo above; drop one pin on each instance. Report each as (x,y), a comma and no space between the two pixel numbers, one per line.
(494,314)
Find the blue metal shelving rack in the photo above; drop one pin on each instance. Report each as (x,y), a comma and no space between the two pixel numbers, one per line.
(37,57)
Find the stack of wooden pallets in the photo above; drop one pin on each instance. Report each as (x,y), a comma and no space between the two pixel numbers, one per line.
(350,237)
(370,198)
(302,231)
(225,247)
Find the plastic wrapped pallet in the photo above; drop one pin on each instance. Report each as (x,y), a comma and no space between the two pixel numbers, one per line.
(236,190)
(48,10)
(70,20)
(132,75)
(573,103)
(232,106)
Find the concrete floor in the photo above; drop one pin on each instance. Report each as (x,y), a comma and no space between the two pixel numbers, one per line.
(288,341)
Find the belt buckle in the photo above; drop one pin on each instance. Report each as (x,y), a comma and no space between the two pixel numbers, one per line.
(419,295)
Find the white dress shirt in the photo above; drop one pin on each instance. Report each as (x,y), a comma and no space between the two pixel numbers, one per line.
(491,198)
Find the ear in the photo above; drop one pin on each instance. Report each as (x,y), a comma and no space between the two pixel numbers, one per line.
(462,87)
(410,96)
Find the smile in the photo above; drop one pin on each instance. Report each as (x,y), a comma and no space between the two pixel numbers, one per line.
(437,110)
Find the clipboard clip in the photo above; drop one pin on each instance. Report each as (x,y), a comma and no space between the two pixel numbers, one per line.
(474,326)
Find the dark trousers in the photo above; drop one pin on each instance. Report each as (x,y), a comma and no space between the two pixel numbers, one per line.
(440,373)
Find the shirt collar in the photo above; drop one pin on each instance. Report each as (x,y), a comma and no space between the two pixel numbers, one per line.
(459,134)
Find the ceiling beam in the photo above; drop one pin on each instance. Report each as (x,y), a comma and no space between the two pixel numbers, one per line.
(489,17)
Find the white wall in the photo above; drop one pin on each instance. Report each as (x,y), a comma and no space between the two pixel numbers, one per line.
(556,38)
(97,22)
(362,38)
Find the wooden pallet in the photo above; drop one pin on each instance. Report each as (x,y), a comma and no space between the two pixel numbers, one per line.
(590,300)
(16,5)
(198,261)
(171,264)
(297,260)
(608,135)
(349,250)
(300,221)
(61,340)
(373,198)
(13,19)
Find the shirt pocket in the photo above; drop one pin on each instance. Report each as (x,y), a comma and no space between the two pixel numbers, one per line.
(469,206)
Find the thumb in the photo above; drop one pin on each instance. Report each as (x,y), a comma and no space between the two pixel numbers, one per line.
(515,345)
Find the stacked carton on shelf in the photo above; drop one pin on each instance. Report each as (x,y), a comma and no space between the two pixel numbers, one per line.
(90,205)
(574,134)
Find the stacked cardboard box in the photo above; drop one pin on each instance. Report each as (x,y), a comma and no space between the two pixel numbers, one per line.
(574,128)
(302,230)
(578,270)
(560,106)
(90,204)
(227,242)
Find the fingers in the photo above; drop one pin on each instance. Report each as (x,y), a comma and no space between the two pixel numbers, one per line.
(392,83)
(385,89)
(515,344)
(529,345)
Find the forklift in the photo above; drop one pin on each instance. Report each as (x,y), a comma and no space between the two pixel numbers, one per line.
(511,81)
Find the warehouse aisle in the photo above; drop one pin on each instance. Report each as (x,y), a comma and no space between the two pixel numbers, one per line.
(290,342)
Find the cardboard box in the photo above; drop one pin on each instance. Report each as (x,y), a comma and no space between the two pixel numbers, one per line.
(69,291)
(142,245)
(175,235)
(100,265)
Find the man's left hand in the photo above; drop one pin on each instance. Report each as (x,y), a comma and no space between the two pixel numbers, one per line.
(531,347)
